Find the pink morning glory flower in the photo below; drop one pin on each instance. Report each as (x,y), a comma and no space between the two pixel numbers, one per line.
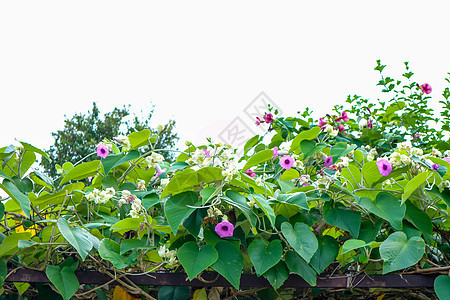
(384,166)
(321,123)
(206,152)
(328,161)
(369,124)
(250,173)
(447,159)
(435,166)
(341,128)
(286,162)
(344,116)
(224,229)
(102,151)
(426,88)
(275,152)
(416,135)
(268,117)
(159,171)
(258,121)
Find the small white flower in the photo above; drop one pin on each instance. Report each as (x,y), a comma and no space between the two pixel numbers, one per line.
(362,124)
(141,185)
(164,182)
(124,141)
(406,160)
(395,159)
(160,127)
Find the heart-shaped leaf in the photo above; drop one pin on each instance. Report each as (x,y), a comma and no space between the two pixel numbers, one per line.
(77,237)
(301,238)
(110,250)
(264,255)
(299,266)
(195,260)
(277,275)
(442,287)
(230,262)
(325,254)
(386,206)
(398,252)
(176,208)
(343,218)
(64,279)
(174,293)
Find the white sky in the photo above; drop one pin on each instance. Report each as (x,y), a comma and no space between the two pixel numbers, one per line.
(203,62)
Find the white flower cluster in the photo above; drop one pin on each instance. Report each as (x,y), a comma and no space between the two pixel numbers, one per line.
(402,156)
(199,157)
(123,141)
(136,203)
(343,163)
(444,184)
(214,212)
(168,256)
(98,196)
(260,180)
(154,159)
(304,179)
(372,153)
(230,171)
(331,131)
(141,185)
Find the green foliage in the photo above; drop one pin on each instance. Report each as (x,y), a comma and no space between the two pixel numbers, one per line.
(141,212)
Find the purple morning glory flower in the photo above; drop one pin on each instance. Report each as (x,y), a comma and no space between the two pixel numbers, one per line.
(286,162)
(102,151)
(426,88)
(224,229)
(384,166)
(435,166)
(328,161)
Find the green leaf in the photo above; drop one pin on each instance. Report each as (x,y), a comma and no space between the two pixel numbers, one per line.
(277,275)
(299,266)
(139,138)
(299,199)
(4,175)
(238,201)
(343,218)
(264,255)
(289,175)
(251,143)
(181,181)
(110,250)
(398,252)
(65,280)
(82,171)
(340,149)
(310,147)
(229,263)
(304,135)
(193,223)
(114,160)
(442,287)
(418,218)
(209,174)
(176,208)
(350,245)
(76,236)
(371,173)
(386,206)
(258,158)
(9,244)
(325,254)
(174,293)
(133,244)
(17,196)
(3,271)
(414,184)
(264,205)
(301,238)
(196,260)
(127,224)
(31,148)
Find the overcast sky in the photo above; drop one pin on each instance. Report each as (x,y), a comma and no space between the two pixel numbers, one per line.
(204,63)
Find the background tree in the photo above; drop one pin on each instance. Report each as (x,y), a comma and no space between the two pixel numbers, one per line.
(82,133)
